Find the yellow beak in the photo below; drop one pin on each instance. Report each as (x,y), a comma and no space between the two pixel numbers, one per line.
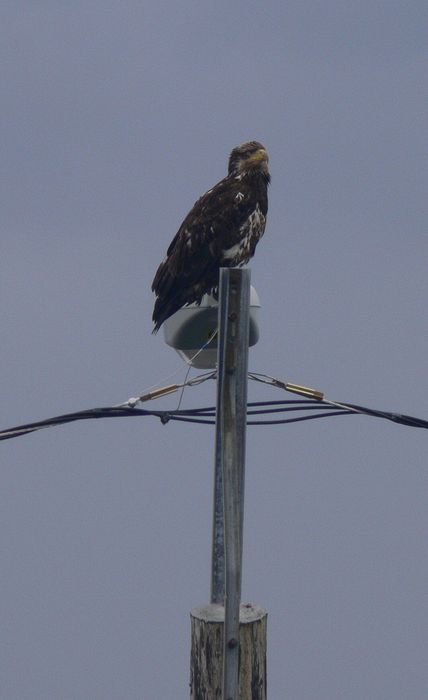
(260,154)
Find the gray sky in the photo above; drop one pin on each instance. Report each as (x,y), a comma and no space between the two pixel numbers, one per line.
(115,118)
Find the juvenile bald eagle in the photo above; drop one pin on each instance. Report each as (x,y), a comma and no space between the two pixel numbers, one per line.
(222,230)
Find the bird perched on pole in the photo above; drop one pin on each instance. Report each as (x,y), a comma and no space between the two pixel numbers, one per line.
(222,230)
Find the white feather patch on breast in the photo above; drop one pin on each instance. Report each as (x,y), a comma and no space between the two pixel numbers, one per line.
(252,228)
(255,222)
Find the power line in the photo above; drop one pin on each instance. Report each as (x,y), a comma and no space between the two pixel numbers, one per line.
(206,415)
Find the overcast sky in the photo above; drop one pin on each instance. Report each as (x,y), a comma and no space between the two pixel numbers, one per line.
(115,117)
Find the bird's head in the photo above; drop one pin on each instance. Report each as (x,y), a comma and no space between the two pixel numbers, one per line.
(249,157)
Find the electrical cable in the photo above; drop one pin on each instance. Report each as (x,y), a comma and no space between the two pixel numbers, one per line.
(400,418)
(206,415)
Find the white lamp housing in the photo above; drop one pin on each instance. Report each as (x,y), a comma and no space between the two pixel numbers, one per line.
(192,326)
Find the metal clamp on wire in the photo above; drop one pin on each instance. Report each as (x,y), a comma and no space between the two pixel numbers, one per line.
(303,390)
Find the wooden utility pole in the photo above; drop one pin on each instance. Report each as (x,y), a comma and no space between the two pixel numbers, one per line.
(206,663)
(228,655)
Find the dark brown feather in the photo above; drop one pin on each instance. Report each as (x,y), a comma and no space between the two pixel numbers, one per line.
(222,229)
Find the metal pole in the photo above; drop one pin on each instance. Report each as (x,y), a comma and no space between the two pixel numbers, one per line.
(234,295)
(217,559)
(243,666)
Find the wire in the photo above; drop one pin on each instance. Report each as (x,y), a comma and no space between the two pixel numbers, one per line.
(149,394)
(169,389)
(313,402)
(400,418)
(206,415)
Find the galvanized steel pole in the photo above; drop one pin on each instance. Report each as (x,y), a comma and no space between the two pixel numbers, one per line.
(238,670)
(231,419)
(217,555)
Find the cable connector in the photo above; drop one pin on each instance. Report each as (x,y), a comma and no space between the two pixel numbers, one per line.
(163,391)
(302,390)
(306,391)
